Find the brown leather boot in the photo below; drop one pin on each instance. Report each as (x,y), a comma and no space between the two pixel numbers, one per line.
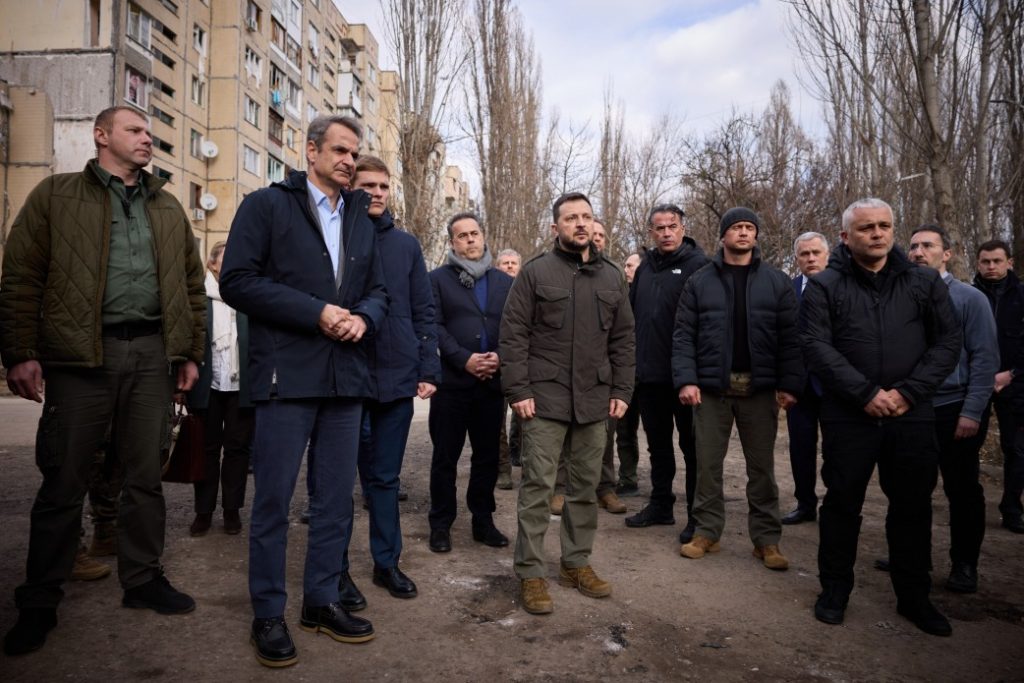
(557,503)
(771,557)
(699,547)
(611,503)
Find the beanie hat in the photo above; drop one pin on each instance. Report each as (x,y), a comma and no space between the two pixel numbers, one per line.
(737,214)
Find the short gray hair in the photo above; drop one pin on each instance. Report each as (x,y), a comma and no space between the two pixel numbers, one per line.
(866,203)
(509,252)
(318,127)
(808,236)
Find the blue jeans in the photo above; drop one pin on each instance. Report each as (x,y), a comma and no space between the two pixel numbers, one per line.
(381,451)
(283,428)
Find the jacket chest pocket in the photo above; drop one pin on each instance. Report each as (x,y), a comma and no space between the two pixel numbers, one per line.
(552,306)
(607,305)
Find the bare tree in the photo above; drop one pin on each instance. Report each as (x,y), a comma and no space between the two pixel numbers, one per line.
(425,38)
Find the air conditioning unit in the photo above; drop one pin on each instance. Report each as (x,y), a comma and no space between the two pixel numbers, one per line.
(250,23)
(198,215)
(209,149)
(208,201)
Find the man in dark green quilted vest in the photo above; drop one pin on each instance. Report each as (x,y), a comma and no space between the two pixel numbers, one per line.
(101,299)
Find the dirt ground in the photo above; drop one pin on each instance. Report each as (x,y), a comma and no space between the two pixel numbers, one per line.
(722,618)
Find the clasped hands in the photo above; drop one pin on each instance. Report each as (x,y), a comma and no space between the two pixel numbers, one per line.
(887,403)
(341,324)
(483,365)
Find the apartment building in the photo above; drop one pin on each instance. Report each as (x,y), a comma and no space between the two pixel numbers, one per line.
(230,85)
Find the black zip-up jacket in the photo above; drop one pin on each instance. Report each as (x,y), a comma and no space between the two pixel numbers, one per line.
(702,337)
(1006,297)
(861,334)
(654,296)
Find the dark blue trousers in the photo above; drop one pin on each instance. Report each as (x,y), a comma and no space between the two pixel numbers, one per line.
(283,428)
(802,424)
(385,432)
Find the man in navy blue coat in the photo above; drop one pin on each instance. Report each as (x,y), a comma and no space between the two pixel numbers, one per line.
(470,295)
(404,362)
(302,263)
(811,252)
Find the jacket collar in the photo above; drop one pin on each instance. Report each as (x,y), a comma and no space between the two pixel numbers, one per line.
(719,260)
(686,250)
(576,258)
(842,260)
(93,173)
(383,222)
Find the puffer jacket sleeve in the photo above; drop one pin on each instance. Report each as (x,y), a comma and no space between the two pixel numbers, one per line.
(684,337)
(245,282)
(831,367)
(25,266)
(790,364)
(514,348)
(946,340)
(195,280)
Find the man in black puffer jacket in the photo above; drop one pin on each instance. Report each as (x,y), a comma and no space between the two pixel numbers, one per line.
(733,346)
(654,295)
(881,336)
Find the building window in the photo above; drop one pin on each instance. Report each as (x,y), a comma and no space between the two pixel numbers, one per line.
(250,160)
(289,137)
(278,35)
(328,108)
(277,78)
(161,115)
(136,90)
(171,7)
(163,145)
(252,111)
(164,31)
(140,25)
(162,173)
(294,95)
(314,40)
(253,16)
(313,75)
(275,169)
(293,51)
(198,91)
(194,193)
(311,112)
(195,144)
(160,56)
(199,39)
(157,84)
(253,64)
(275,127)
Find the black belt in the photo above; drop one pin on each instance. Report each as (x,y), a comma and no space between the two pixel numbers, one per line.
(132,329)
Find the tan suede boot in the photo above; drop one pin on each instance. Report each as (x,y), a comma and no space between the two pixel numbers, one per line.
(535,597)
(557,503)
(88,569)
(699,547)
(611,503)
(584,580)
(771,557)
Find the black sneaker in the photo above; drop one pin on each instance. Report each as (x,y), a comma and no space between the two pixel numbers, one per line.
(29,633)
(160,596)
(686,535)
(924,615)
(650,516)
(273,642)
(332,620)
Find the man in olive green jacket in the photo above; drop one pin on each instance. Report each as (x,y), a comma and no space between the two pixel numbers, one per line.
(101,295)
(567,364)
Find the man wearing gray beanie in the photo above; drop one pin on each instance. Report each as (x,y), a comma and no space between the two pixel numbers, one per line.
(733,360)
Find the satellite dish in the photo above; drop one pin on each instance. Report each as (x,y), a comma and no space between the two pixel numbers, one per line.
(209,149)
(208,202)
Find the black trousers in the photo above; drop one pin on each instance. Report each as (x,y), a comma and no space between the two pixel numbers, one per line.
(1011,442)
(454,413)
(907,455)
(958,462)
(660,410)
(802,424)
(228,427)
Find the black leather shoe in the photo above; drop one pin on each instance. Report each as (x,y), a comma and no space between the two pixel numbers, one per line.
(397,583)
(273,643)
(333,620)
(799,515)
(29,633)
(348,595)
(1014,524)
(650,516)
(686,535)
(490,536)
(924,615)
(829,608)
(440,540)
(963,578)
(160,596)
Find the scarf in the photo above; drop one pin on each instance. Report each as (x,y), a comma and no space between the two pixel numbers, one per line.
(224,333)
(470,271)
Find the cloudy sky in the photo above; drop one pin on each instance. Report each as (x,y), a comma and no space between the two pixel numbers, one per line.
(696,58)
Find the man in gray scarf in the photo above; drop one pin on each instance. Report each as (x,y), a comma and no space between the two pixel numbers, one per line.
(469,295)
